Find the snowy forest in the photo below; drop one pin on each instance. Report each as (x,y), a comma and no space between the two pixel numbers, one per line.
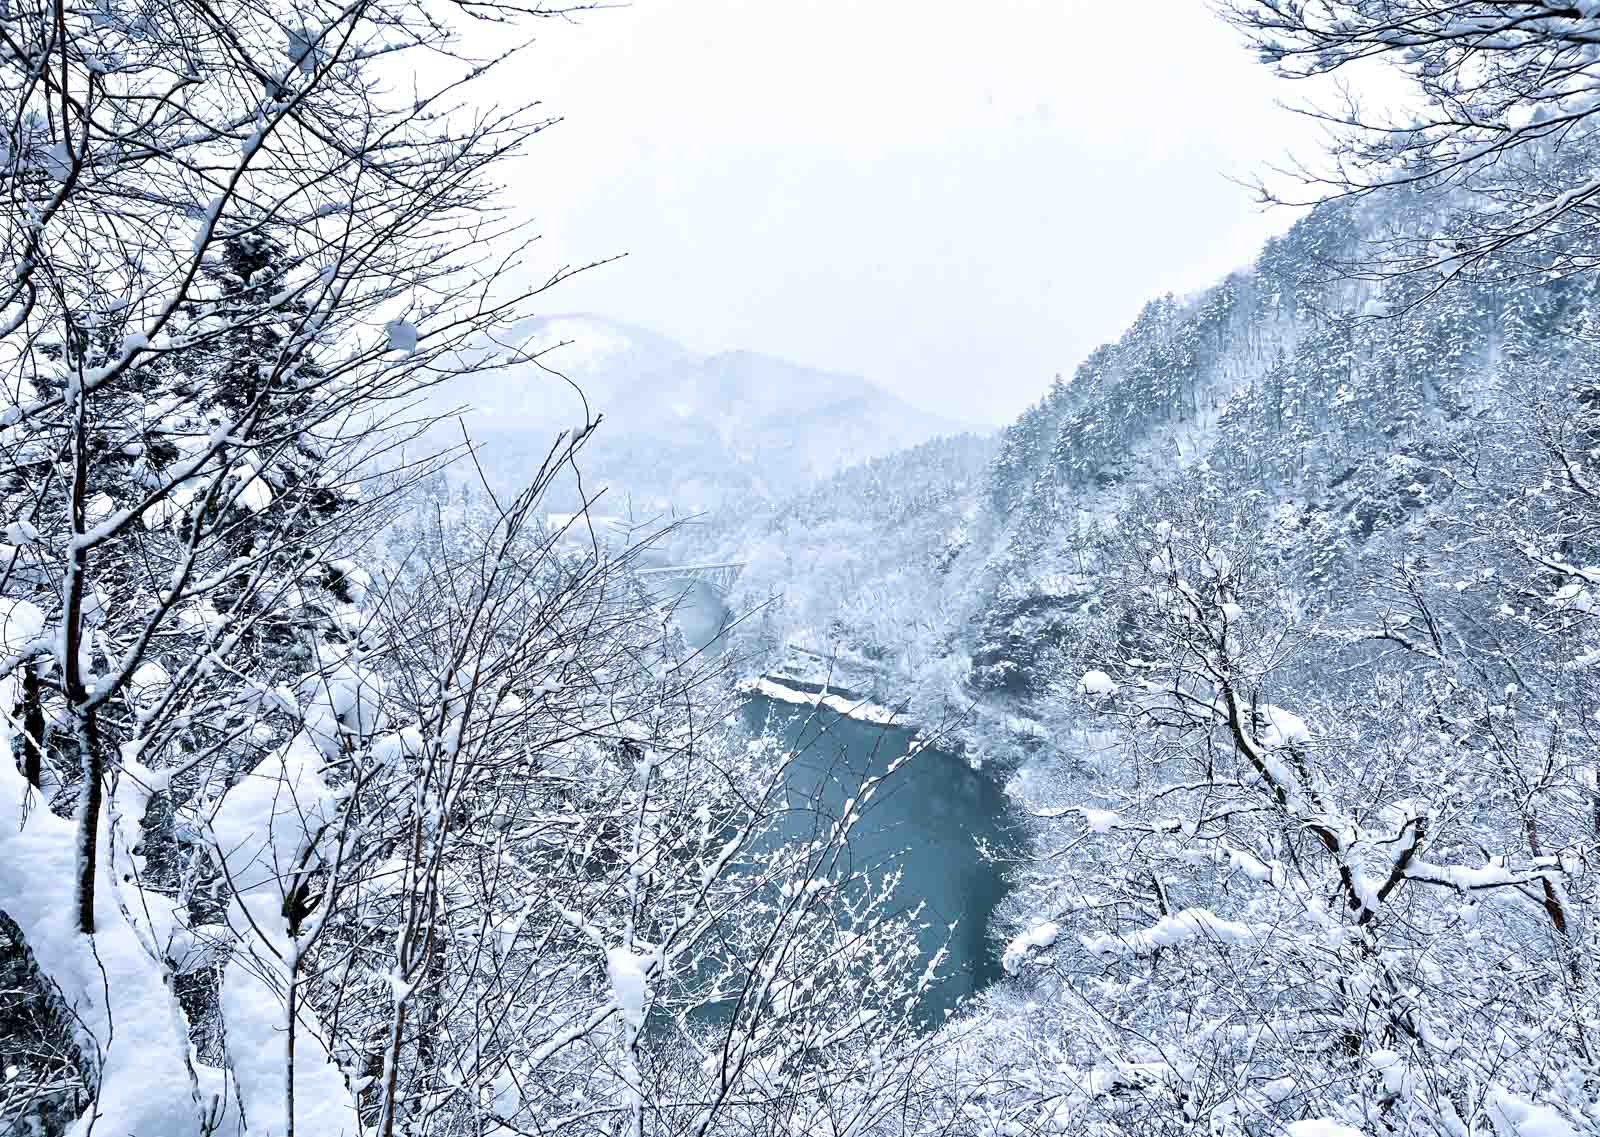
(369,769)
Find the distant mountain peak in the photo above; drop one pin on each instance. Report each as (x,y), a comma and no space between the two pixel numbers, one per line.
(681,428)
(582,341)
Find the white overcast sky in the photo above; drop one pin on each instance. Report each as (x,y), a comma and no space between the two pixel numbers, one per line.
(954,198)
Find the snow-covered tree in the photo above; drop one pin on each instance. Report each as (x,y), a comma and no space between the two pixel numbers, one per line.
(1328,867)
(237,251)
(1495,114)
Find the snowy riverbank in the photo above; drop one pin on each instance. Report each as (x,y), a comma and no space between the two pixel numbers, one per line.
(840,702)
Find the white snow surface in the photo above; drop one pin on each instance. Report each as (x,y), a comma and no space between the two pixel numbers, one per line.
(21,622)
(98,508)
(1321,1127)
(261,832)
(124,1009)
(1169,931)
(1278,1088)
(1515,1116)
(1100,820)
(862,710)
(148,682)
(1017,951)
(1284,728)
(628,987)
(254,493)
(1097,682)
(341,697)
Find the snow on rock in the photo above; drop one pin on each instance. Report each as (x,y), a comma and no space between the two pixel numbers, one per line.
(1215,563)
(254,494)
(392,744)
(628,986)
(148,682)
(504,1094)
(266,826)
(190,949)
(1100,820)
(161,512)
(355,581)
(1096,683)
(1573,595)
(1392,1067)
(1169,931)
(202,616)
(1515,1116)
(862,710)
(1253,866)
(21,622)
(1283,728)
(341,697)
(1278,1089)
(1017,951)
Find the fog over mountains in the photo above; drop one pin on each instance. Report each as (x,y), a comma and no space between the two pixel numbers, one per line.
(678,430)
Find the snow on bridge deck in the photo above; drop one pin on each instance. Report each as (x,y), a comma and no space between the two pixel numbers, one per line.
(718,576)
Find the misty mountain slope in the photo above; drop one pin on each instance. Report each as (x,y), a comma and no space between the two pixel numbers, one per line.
(680,431)
(1295,549)
(844,570)
(1335,403)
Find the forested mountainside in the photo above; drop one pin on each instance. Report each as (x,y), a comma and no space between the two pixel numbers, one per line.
(1338,405)
(346,804)
(680,431)
(848,568)
(1278,619)
(1285,383)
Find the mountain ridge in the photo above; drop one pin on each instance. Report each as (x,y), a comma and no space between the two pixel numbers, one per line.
(725,429)
(1276,380)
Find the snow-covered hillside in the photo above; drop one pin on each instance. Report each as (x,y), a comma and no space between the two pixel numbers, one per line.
(1277,618)
(1279,380)
(680,430)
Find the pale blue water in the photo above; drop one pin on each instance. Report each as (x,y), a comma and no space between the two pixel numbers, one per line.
(929,818)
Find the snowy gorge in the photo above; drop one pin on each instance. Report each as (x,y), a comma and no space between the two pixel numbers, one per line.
(640,771)
(1261,493)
